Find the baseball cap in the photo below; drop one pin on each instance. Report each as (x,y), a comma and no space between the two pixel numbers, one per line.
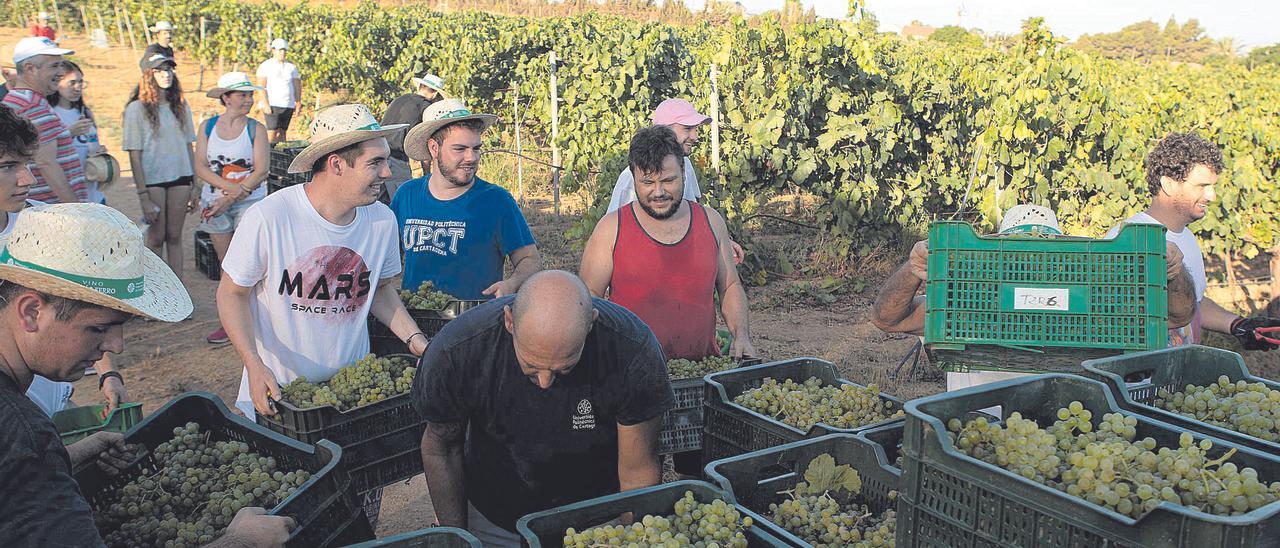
(32,46)
(678,111)
(156,60)
(279,43)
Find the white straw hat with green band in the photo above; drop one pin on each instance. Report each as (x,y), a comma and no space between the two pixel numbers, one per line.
(336,128)
(439,114)
(91,253)
(232,81)
(1028,219)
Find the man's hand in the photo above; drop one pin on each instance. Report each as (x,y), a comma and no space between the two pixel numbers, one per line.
(418,344)
(114,392)
(1173,260)
(253,527)
(738,254)
(1253,335)
(498,289)
(107,448)
(741,348)
(920,260)
(262,388)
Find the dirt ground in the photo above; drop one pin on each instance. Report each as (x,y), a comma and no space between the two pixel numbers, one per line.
(161,360)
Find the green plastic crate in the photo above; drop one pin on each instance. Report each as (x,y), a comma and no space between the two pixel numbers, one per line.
(754,480)
(1173,369)
(1022,303)
(731,429)
(949,499)
(79,423)
(546,528)
(435,537)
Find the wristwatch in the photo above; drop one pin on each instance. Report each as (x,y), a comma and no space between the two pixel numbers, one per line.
(102,379)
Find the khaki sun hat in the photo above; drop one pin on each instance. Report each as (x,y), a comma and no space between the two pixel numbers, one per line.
(439,114)
(232,81)
(162,26)
(337,127)
(92,253)
(1027,218)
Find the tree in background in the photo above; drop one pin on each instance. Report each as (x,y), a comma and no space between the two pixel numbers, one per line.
(956,36)
(1145,41)
(1268,55)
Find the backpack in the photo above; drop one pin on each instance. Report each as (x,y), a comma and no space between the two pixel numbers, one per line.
(208,127)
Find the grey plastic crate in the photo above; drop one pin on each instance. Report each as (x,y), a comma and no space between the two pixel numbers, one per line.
(953,500)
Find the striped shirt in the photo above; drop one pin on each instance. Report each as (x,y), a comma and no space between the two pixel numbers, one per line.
(33,106)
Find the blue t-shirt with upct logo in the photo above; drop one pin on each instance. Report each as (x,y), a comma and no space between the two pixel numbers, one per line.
(460,244)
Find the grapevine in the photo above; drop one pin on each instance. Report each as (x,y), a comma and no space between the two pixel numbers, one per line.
(371,379)
(693,524)
(803,405)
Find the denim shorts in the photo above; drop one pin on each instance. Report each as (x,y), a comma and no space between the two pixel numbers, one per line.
(229,220)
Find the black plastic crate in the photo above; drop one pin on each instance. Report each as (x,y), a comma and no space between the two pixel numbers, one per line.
(381,441)
(321,508)
(278,175)
(755,479)
(951,499)
(546,528)
(356,530)
(206,258)
(384,342)
(1173,369)
(732,429)
(682,425)
(435,537)
(887,442)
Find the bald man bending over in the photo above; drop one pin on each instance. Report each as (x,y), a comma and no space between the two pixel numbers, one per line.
(564,396)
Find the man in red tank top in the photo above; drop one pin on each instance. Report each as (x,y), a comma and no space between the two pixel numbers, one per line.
(666,259)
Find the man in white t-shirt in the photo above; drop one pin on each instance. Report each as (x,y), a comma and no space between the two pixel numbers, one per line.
(284,90)
(18,142)
(1181,172)
(308,264)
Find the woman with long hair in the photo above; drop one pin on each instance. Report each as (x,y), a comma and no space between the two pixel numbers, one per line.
(68,104)
(158,133)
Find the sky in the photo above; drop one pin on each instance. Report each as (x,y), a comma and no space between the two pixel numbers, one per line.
(1250,22)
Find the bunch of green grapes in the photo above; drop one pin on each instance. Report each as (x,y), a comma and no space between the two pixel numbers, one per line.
(803,405)
(426,298)
(196,489)
(1248,408)
(1106,465)
(714,524)
(821,520)
(369,380)
(721,340)
(689,369)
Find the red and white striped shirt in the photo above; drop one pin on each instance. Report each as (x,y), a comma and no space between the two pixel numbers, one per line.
(31,105)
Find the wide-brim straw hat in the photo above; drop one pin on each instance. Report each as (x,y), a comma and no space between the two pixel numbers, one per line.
(92,253)
(232,81)
(338,127)
(1027,218)
(439,114)
(432,81)
(103,169)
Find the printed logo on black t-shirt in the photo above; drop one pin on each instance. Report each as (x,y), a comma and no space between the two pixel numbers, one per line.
(584,419)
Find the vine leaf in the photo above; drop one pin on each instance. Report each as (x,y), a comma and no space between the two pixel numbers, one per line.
(823,475)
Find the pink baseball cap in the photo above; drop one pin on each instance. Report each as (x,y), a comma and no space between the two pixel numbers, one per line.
(678,111)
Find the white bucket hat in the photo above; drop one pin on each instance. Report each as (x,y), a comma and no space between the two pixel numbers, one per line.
(162,25)
(1026,218)
(439,114)
(279,43)
(232,81)
(432,81)
(337,127)
(92,253)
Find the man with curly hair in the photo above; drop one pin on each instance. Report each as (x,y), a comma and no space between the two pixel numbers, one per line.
(1181,172)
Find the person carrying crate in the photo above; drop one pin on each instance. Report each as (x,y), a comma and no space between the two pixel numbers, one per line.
(1181,172)
(308,264)
(899,308)
(62,309)
(535,401)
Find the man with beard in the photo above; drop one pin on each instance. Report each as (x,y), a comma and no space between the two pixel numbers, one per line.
(1181,172)
(456,229)
(308,264)
(667,260)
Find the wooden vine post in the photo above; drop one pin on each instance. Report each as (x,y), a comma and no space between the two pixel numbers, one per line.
(519,146)
(84,20)
(146,27)
(57,16)
(119,25)
(1275,274)
(203,52)
(128,24)
(715,126)
(555,135)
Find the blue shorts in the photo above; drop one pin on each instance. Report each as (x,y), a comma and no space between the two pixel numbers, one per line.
(229,220)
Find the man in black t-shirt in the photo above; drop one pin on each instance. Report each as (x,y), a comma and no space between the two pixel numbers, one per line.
(408,109)
(162,34)
(558,396)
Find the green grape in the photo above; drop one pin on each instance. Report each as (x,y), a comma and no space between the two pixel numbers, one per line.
(1252,409)
(806,404)
(426,298)
(1107,465)
(689,369)
(193,492)
(371,379)
(693,524)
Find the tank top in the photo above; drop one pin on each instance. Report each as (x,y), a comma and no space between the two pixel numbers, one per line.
(232,159)
(669,286)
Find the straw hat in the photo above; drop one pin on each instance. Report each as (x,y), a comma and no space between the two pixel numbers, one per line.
(161,26)
(232,81)
(432,81)
(103,169)
(92,253)
(1024,218)
(337,127)
(441,113)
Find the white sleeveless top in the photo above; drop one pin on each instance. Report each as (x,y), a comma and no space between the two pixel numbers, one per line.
(233,160)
